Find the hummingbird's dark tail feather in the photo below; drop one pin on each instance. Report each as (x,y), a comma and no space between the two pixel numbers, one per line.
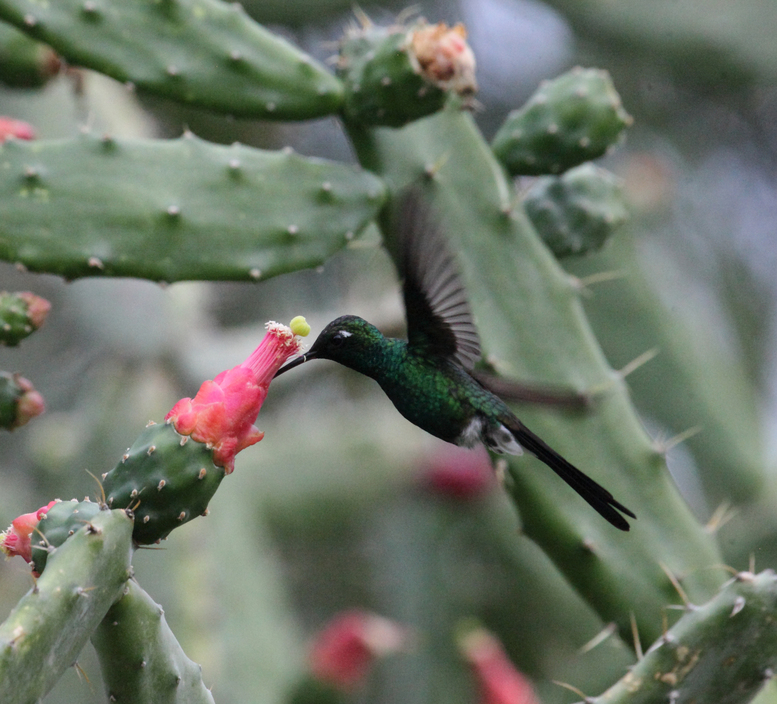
(595,494)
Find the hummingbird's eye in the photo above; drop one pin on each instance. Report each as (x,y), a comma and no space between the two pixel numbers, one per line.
(340,337)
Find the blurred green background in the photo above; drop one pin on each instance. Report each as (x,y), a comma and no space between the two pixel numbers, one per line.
(331,510)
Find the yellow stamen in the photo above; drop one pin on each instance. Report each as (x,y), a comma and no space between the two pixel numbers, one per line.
(299,326)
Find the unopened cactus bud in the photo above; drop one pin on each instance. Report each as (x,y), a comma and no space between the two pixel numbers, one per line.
(341,655)
(459,473)
(394,75)
(571,119)
(62,520)
(19,401)
(576,213)
(20,315)
(172,471)
(16,539)
(498,680)
(17,129)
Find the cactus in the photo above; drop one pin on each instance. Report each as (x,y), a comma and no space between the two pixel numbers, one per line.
(19,401)
(140,658)
(25,63)
(576,213)
(571,119)
(21,314)
(396,75)
(59,523)
(185,192)
(722,651)
(44,634)
(200,52)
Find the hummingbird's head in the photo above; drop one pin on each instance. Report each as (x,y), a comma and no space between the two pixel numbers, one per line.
(348,340)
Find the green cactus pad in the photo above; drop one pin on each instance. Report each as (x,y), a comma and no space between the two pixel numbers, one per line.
(722,652)
(204,53)
(166,479)
(571,119)
(382,84)
(46,631)
(66,518)
(25,63)
(177,209)
(140,658)
(16,321)
(577,212)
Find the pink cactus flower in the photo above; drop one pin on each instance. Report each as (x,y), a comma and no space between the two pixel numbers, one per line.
(16,540)
(460,473)
(499,682)
(342,653)
(223,412)
(15,128)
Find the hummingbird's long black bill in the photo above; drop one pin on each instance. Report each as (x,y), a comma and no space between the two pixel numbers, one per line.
(295,363)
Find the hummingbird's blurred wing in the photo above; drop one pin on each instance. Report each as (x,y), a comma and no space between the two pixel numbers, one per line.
(438,314)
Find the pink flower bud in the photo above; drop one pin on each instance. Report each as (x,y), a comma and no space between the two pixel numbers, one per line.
(15,128)
(459,473)
(29,404)
(16,540)
(499,682)
(224,410)
(342,653)
(37,308)
(444,57)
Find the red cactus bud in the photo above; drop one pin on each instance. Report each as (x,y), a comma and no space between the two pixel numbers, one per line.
(224,410)
(499,682)
(459,473)
(15,128)
(16,540)
(37,308)
(342,653)
(29,404)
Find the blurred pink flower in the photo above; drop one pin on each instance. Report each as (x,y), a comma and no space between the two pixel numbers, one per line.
(16,540)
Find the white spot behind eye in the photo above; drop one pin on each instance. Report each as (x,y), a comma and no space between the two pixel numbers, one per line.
(344,333)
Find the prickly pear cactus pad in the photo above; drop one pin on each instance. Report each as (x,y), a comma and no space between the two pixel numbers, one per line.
(577,212)
(44,634)
(178,209)
(60,522)
(571,119)
(164,479)
(140,658)
(722,651)
(201,52)
(394,75)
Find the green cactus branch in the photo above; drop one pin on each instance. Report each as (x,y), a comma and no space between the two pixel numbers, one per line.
(140,658)
(720,652)
(204,53)
(532,326)
(174,210)
(53,621)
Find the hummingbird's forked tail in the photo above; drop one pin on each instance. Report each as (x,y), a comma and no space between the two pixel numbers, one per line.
(595,494)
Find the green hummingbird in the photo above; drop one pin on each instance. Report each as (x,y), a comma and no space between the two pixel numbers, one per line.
(428,377)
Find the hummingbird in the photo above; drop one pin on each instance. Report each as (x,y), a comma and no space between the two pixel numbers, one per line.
(429,377)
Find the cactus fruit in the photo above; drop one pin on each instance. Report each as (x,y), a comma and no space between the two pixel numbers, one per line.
(394,75)
(577,212)
(21,314)
(172,471)
(722,651)
(47,629)
(195,210)
(56,525)
(140,658)
(571,119)
(200,52)
(19,401)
